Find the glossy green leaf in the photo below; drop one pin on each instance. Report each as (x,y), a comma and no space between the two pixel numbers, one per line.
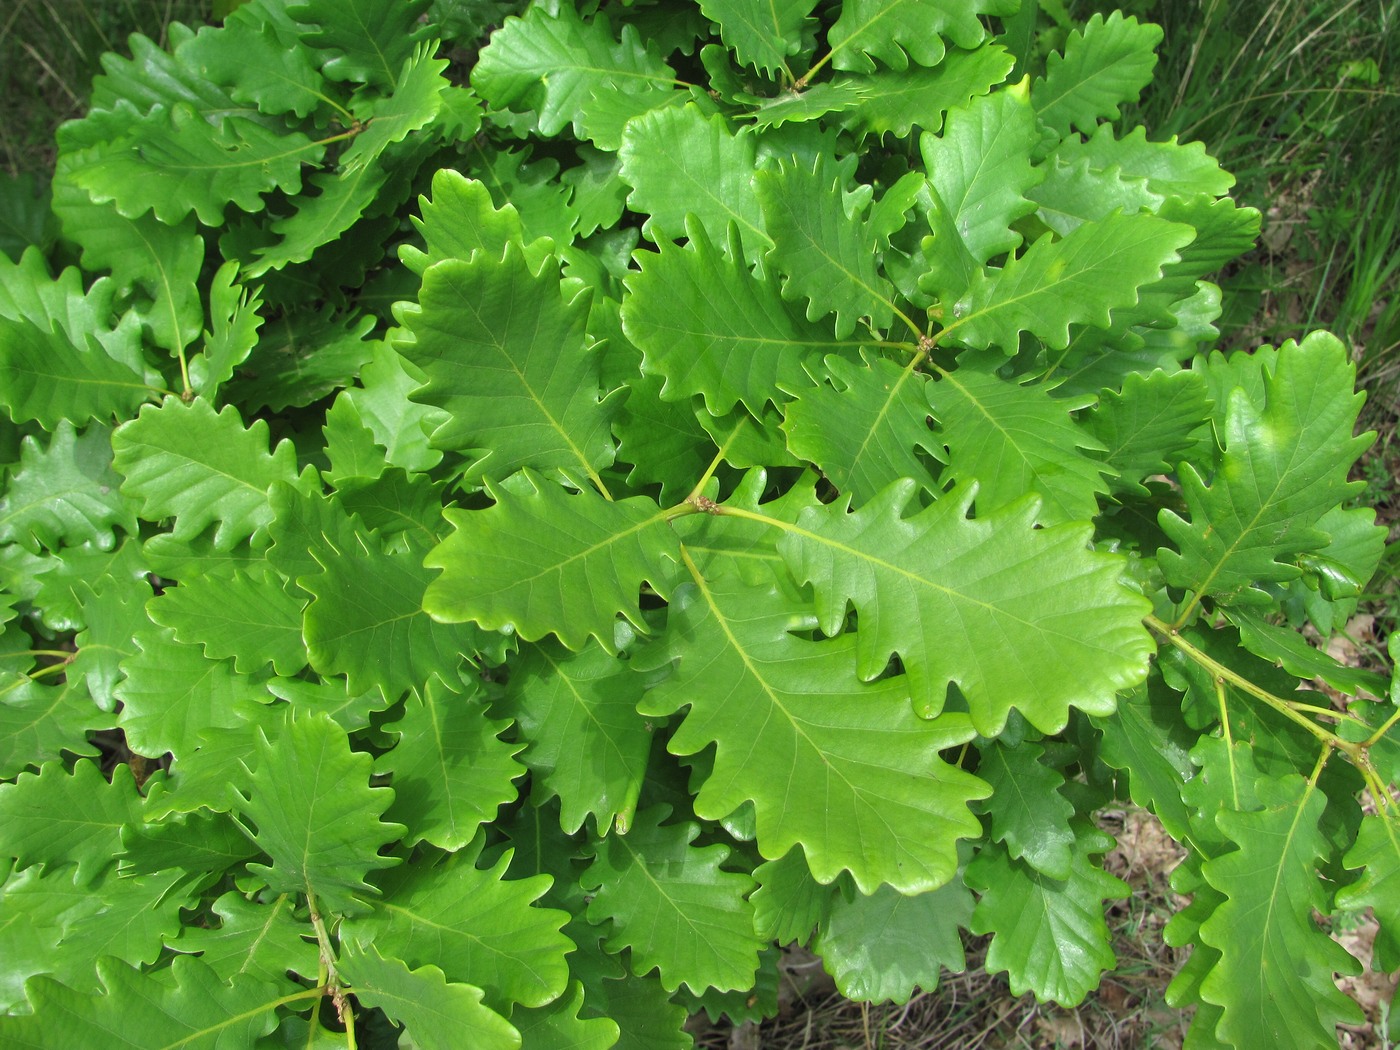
(841,767)
(680,162)
(979,174)
(314,814)
(710,327)
(480,928)
(262,940)
(673,905)
(560,1024)
(1274,976)
(246,615)
(1068,630)
(1012,439)
(551,64)
(826,248)
(764,39)
(896,31)
(54,817)
(896,101)
(187,462)
(436,1014)
(1148,426)
(188,1007)
(174,162)
(541,561)
(1098,268)
(39,721)
(1028,812)
(65,494)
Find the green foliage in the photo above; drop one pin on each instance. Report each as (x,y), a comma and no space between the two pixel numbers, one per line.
(552,512)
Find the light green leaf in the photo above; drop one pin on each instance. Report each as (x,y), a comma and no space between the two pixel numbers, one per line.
(188,1006)
(1274,977)
(460,219)
(1074,193)
(680,162)
(789,903)
(762,36)
(436,1015)
(412,105)
(163,261)
(587,743)
(1014,438)
(506,358)
(65,494)
(895,101)
(883,946)
(233,312)
(1028,812)
(201,467)
(895,31)
(60,355)
(1171,169)
(826,248)
(479,927)
(1016,616)
(244,614)
(710,327)
(1106,63)
(845,769)
(1284,465)
(399,425)
(315,815)
(674,905)
(863,424)
(542,561)
(1099,267)
(1048,934)
(55,817)
(550,65)
(449,769)
(172,162)
(979,173)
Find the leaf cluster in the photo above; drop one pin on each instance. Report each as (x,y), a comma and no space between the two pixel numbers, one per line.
(515,512)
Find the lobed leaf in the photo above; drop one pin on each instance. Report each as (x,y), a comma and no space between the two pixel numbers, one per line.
(541,561)
(1014,615)
(845,769)
(1105,64)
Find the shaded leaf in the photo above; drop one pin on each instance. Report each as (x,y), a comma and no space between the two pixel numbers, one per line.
(1028,812)
(587,743)
(884,946)
(449,768)
(673,905)
(1106,63)
(435,1014)
(55,817)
